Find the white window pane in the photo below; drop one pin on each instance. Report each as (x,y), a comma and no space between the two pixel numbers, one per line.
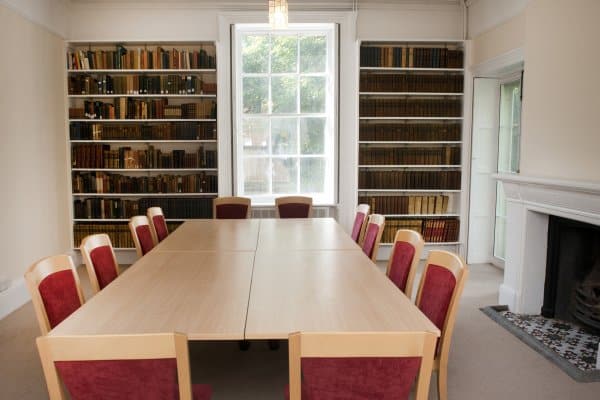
(312,175)
(255,54)
(256,95)
(255,136)
(313,54)
(284,54)
(285,175)
(312,135)
(256,175)
(284,91)
(312,94)
(284,136)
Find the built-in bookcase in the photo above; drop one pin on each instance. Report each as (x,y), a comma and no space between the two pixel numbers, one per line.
(142,133)
(411,137)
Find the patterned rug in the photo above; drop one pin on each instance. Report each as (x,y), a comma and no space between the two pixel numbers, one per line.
(567,345)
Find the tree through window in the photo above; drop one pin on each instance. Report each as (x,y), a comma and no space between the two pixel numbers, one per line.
(285,112)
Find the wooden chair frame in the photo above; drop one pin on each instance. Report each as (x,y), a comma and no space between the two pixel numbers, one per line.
(294,200)
(458,268)
(134,222)
(362,208)
(36,273)
(378,220)
(113,347)
(151,213)
(88,244)
(217,201)
(362,344)
(416,240)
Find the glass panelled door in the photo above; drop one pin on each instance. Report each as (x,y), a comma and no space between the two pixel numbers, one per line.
(509,144)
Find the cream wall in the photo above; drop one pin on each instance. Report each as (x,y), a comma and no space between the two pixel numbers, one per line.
(33,166)
(560,86)
(561,92)
(499,40)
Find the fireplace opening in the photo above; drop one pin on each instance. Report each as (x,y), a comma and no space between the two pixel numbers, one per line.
(572,285)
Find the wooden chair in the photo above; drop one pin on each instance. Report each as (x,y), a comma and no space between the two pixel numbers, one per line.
(404,260)
(142,234)
(160,230)
(100,260)
(439,292)
(144,366)
(372,237)
(293,207)
(321,364)
(231,207)
(360,222)
(55,290)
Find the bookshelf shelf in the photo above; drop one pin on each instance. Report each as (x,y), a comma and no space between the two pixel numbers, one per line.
(137,121)
(137,127)
(420,94)
(144,194)
(134,96)
(407,166)
(406,69)
(412,118)
(419,215)
(144,169)
(414,142)
(410,136)
(145,141)
(142,71)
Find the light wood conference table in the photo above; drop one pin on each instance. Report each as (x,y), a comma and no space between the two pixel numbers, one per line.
(249,279)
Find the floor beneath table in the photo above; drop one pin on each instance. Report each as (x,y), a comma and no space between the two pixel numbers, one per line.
(485,361)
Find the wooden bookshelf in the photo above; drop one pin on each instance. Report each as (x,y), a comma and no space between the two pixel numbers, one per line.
(142,130)
(410,161)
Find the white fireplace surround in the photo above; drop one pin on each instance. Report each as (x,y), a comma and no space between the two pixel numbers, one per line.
(530,201)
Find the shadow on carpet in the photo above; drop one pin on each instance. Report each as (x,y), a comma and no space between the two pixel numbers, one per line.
(566,345)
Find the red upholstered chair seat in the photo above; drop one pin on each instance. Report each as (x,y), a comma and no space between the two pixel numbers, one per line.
(437,293)
(358,221)
(400,265)
(231,211)
(104,265)
(161,227)
(59,295)
(368,378)
(153,379)
(145,238)
(294,210)
(370,238)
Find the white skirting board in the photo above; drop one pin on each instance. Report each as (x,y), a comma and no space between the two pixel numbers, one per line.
(14,297)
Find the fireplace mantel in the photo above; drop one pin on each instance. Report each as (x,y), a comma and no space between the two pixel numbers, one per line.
(530,200)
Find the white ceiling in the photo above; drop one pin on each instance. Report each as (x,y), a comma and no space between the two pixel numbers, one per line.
(293,4)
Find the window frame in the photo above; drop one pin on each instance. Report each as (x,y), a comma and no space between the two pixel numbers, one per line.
(331,113)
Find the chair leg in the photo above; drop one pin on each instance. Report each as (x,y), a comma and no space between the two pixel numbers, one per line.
(442,383)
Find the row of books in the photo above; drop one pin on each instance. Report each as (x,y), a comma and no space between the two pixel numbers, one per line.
(392,131)
(411,83)
(98,208)
(119,233)
(438,230)
(129,108)
(446,155)
(417,180)
(102,156)
(140,58)
(102,182)
(410,57)
(144,131)
(410,107)
(406,204)
(139,84)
